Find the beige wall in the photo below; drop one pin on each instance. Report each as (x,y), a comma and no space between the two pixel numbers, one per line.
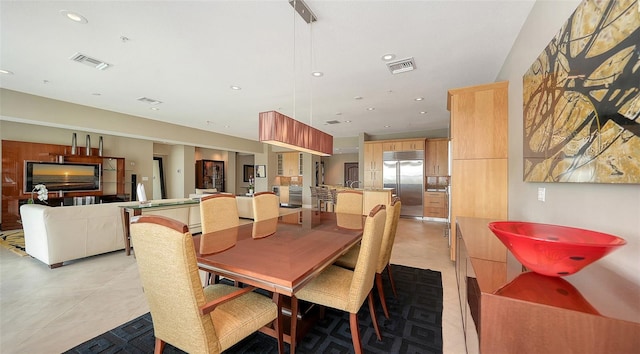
(334,168)
(607,208)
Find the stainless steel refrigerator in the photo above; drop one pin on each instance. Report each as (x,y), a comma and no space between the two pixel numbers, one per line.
(404,171)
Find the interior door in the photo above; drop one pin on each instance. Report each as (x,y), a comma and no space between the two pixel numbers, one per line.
(351,173)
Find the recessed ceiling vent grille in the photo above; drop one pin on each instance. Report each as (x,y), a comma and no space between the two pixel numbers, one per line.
(93,62)
(149,100)
(333,122)
(401,66)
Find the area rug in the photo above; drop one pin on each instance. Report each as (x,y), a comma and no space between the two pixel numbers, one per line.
(415,325)
(13,241)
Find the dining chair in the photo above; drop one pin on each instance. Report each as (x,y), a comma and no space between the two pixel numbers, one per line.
(345,289)
(350,259)
(185,315)
(266,205)
(324,198)
(349,202)
(218,212)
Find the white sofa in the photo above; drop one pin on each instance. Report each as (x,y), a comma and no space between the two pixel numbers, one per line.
(55,235)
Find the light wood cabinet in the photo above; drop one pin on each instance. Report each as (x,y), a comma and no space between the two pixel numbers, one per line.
(373,165)
(411,145)
(479,118)
(437,157)
(289,164)
(436,205)
(403,145)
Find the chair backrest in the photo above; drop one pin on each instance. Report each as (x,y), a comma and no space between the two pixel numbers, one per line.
(314,191)
(363,274)
(218,212)
(169,273)
(389,235)
(265,206)
(349,202)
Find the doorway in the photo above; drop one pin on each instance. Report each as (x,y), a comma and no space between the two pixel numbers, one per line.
(159,191)
(351,173)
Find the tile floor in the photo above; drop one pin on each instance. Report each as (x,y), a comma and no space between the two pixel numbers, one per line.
(50,311)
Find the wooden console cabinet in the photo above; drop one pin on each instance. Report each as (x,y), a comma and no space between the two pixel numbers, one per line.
(436,204)
(506,310)
(14,155)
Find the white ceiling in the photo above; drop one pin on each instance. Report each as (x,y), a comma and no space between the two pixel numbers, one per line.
(188,54)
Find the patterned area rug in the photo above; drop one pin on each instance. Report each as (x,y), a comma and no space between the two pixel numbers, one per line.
(13,241)
(415,325)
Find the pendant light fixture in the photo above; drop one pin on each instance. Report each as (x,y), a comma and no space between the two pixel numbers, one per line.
(278,129)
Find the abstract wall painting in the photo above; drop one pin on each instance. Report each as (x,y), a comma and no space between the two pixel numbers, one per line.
(582,99)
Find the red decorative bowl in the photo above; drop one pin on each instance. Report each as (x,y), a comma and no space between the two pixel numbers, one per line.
(554,250)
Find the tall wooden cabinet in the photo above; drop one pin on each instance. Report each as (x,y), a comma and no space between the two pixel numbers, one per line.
(479,149)
(372,165)
(289,164)
(437,157)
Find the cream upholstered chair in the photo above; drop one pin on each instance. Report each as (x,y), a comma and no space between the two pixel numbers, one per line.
(265,206)
(185,315)
(349,259)
(218,212)
(345,289)
(324,198)
(349,202)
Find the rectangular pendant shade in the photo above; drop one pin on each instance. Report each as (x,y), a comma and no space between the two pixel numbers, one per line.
(277,129)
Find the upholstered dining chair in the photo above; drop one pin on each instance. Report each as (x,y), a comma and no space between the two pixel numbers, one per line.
(324,198)
(218,212)
(185,315)
(349,259)
(349,202)
(266,205)
(346,290)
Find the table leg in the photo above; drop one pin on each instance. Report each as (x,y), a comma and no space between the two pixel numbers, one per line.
(126,219)
(294,323)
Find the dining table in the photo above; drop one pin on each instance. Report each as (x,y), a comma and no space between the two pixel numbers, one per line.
(280,255)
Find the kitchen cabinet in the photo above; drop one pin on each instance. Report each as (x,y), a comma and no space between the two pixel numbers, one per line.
(372,165)
(437,157)
(436,205)
(403,145)
(508,310)
(289,164)
(479,170)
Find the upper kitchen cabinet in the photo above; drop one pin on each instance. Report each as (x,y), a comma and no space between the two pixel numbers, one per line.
(372,165)
(403,145)
(437,157)
(290,164)
(479,151)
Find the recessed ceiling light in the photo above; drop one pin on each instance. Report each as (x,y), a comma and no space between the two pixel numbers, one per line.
(388,57)
(237,88)
(387,126)
(347,121)
(419,99)
(2,71)
(357,98)
(96,94)
(227,126)
(370,109)
(338,113)
(73,16)
(155,108)
(423,112)
(317,73)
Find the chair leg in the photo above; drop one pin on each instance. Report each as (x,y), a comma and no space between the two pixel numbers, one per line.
(374,319)
(381,295)
(159,346)
(355,333)
(393,284)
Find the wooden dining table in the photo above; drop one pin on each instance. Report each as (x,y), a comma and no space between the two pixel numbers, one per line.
(280,255)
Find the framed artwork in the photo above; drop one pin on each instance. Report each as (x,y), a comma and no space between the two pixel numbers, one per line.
(581,99)
(247,173)
(261,171)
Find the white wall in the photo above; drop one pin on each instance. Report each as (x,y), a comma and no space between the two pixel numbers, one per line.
(607,208)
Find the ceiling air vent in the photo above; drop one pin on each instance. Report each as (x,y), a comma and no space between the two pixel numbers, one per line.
(333,122)
(149,100)
(87,60)
(401,66)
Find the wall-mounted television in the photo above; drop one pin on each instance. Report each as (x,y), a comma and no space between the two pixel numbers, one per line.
(67,177)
